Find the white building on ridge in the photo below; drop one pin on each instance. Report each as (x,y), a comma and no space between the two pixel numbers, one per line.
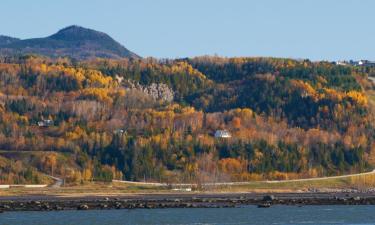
(222,134)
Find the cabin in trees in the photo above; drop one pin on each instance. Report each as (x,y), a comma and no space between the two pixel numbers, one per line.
(342,63)
(366,63)
(45,123)
(119,132)
(222,134)
(356,63)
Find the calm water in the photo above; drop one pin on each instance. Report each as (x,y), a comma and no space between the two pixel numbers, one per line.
(247,215)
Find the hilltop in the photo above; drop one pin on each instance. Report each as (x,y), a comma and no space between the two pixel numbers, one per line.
(4,40)
(73,41)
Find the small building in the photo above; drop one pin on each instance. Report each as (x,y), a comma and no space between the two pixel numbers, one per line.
(366,63)
(222,134)
(45,123)
(341,63)
(119,79)
(119,132)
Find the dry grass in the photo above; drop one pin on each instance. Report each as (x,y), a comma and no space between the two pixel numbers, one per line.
(108,189)
(87,189)
(357,182)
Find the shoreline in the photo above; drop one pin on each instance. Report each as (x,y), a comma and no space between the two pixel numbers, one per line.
(193,200)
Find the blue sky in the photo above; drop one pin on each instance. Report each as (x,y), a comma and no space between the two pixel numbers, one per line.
(315,29)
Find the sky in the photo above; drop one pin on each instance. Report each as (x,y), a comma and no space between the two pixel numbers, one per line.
(314,29)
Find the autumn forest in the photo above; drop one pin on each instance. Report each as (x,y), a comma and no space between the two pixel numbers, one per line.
(156,119)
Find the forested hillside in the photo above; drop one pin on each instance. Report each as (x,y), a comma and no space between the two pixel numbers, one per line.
(155,120)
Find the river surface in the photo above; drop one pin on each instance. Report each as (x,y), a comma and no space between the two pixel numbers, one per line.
(246,215)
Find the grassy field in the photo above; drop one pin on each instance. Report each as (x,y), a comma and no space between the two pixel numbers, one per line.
(106,189)
(87,189)
(357,182)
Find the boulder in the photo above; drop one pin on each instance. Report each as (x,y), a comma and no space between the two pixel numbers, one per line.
(118,205)
(264,205)
(268,198)
(83,207)
(357,198)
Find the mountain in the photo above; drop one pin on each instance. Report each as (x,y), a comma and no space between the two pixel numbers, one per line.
(4,40)
(73,41)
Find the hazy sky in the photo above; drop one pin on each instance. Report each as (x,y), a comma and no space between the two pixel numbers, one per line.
(315,29)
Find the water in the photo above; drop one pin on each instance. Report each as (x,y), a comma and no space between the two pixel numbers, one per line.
(247,215)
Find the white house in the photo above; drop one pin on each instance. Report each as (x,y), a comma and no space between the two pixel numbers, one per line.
(45,123)
(119,131)
(222,134)
(365,63)
(341,63)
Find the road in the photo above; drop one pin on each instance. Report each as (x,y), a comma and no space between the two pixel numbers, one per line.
(323,178)
(58,181)
(372,79)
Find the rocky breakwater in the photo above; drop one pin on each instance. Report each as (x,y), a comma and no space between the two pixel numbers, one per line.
(183,202)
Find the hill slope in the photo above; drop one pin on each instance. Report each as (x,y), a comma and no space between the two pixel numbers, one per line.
(73,41)
(107,119)
(4,40)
